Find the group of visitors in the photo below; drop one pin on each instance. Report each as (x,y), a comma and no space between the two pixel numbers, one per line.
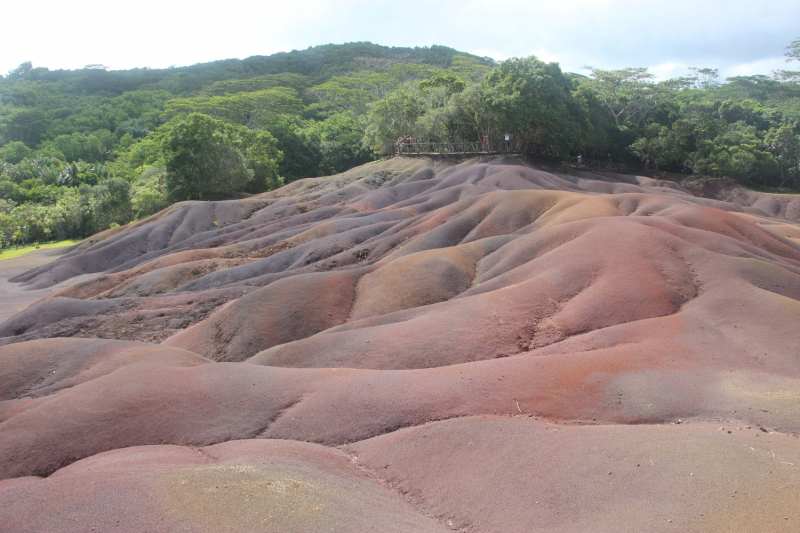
(507,144)
(404,144)
(579,159)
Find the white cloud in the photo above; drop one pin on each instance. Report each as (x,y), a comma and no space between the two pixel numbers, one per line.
(670,69)
(762,66)
(732,35)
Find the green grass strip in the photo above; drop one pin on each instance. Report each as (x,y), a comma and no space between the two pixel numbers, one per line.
(11,253)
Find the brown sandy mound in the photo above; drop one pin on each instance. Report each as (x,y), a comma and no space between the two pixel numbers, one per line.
(149,319)
(775,205)
(275,314)
(241,486)
(165,274)
(408,292)
(150,395)
(569,276)
(179,223)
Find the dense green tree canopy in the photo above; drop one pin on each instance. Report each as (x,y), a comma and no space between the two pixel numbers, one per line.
(208,159)
(535,101)
(85,149)
(251,109)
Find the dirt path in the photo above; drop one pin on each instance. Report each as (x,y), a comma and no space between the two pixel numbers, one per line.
(13,296)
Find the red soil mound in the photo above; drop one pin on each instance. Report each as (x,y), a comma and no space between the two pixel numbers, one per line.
(403,293)
(520,475)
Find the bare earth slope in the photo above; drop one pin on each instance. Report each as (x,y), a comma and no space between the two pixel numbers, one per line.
(416,345)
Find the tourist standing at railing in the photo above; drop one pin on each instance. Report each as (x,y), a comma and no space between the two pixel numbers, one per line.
(400,145)
(410,141)
(485,144)
(508,141)
(580,159)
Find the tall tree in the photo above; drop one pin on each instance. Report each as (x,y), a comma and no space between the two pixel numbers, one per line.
(629,94)
(27,125)
(390,117)
(534,100)
(705,79)
(792,54)
(793,51)
(251,109)
(207,159)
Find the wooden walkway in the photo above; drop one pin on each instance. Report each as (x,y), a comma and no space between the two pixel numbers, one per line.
(447,149)
(443,150)
(458,154)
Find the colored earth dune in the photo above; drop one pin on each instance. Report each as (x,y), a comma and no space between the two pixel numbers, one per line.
(416,345)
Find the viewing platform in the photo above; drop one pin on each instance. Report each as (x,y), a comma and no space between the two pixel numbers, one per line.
(457,149)
(442,150)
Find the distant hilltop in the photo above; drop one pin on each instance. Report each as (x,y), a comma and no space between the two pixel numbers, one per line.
(319,63)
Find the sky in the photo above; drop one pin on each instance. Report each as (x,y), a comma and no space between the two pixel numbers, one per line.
(736,36)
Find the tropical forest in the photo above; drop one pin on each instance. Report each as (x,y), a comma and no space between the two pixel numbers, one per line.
(82,151)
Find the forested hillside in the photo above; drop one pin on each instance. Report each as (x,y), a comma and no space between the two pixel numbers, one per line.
(90,149)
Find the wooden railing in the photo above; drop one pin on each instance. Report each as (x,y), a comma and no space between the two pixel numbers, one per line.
(598,164)
(622,166)
(514,147)
(635,166)
(461,147)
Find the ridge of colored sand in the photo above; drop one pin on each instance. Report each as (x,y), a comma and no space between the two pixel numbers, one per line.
(413,346)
